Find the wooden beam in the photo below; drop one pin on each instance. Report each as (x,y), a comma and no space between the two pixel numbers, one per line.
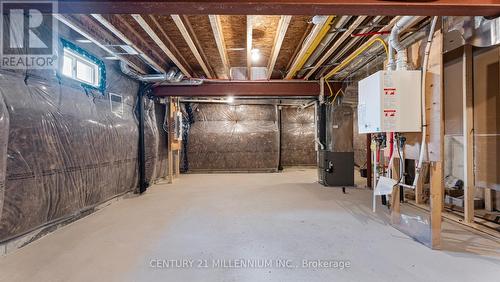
(314,38)
(468,129)
(185,34)
(436,203)
(140,20)
(336,45)
(249,46)
(284,7)
(278,40)
(219,40)
(94,40)
(127,41)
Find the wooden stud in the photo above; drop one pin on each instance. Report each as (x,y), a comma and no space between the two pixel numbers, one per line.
(337,43)
(468,129)
(170,136)
(182,28)
(436,203)
(219,40)
(278,41)
(249,46)
(140,20)
(489,199)
(419,189)
(395,196)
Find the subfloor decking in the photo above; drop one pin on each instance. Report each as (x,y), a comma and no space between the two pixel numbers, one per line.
(223,221)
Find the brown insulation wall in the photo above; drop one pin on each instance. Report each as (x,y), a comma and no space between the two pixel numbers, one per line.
(487,119)
(162,152)
(233,138)
(65,150)
(298,128)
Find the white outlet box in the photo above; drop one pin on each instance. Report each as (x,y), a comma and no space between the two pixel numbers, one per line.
(389,101)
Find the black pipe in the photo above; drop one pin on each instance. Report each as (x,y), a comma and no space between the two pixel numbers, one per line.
(280,165)
(143,183)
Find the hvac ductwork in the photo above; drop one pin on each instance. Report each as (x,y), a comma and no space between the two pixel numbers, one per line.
(173,76)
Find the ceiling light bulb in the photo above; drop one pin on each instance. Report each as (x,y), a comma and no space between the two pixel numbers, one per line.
(255,55)
(230,99)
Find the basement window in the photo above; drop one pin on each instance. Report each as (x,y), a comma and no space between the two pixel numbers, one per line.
(79,65)
(78,68)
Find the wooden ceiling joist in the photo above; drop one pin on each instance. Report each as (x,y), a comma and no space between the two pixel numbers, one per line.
(352,43)
(317,33)
(249,46)
(278,40)
(335,46)
(65,20)
(127,41)
(185,34)
(140,20)
(219,39)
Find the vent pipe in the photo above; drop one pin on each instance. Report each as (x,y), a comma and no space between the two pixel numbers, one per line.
(395,44)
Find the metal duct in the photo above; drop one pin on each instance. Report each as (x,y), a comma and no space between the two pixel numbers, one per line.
(145,78)
(476,31)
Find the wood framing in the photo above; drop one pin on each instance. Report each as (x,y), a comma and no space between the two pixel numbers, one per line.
(336,45)
(312,41)
(436,203)
(249,46)
(219,40)
(353,41)
(140,20)
(185,34)
(127,41)
(92,38)
(278,40)
(468,129)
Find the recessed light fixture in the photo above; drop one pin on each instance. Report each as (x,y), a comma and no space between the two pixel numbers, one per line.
(230,99)
(83,40)
(255,55)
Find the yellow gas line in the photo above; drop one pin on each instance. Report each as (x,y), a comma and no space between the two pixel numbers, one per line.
(354,55)
(317,40)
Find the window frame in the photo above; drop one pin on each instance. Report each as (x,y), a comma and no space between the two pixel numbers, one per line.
(77,54)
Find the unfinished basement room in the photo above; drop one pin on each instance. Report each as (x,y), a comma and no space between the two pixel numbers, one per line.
(264,140)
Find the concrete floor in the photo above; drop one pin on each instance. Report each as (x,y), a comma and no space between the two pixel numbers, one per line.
(259,218)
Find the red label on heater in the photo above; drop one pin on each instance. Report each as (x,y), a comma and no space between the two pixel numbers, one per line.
(390,113)
(390,91)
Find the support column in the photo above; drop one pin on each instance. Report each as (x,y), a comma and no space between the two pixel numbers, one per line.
(436,203)
(468,129)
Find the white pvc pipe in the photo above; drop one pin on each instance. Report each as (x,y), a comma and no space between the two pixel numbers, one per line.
(424,116)
(394,42)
